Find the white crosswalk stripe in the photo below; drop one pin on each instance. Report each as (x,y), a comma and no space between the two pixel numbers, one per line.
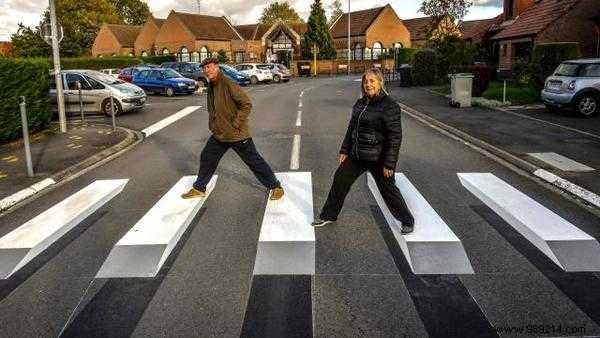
(561,162)
(566,245)
(432,248)
(145,248)
(287,240)
(23,244)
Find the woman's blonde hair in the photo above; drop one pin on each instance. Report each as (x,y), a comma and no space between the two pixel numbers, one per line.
(378,75)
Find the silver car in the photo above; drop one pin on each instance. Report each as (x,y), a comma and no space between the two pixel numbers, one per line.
(96,90)
(574,83)
(280,72)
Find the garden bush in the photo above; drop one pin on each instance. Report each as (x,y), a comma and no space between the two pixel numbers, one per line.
(482,77)
(29,78)
(404,55)
(424,64)
(547,56)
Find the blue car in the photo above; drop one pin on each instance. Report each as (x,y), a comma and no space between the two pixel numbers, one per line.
(163,81)
(237,76)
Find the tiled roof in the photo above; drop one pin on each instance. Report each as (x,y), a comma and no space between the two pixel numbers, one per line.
(475,30)
(299,28)
(159,22)
(5,47)
(247,31)
(418,27)
(205,27)
(536,18)
(359,22)
(257,31)
(125,34)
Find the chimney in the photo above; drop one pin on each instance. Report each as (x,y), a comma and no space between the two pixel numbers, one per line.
(513,8)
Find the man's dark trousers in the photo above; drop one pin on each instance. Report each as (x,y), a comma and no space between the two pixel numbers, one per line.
(214,151)
(346,175)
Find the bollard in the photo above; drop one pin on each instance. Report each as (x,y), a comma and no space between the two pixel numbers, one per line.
(23,108)
(112,112)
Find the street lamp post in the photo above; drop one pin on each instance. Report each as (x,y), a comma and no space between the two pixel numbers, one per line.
(348,37)
(56,58)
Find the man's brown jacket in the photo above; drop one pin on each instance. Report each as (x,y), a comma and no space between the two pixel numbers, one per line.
(228,110)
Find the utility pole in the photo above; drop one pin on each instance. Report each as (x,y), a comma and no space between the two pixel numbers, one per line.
(60,99)
(349,38)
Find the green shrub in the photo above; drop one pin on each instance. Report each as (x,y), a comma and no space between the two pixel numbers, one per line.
(453,53)
(482,77)
(29,78)
(404,56)
(112,62)
(522,72)
(424,63)
(222,56)
(547,56)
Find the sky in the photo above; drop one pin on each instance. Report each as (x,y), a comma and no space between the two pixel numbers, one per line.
(12,12)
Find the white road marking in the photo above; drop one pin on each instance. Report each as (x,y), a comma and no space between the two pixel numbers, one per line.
(574,189)
(287,240)
(17,197)
(295,159)
(432,248)
(169,120)
(144,249)
(300,104)
(299,119)
(566,245)
(23,244)
(561,162)
(301,93)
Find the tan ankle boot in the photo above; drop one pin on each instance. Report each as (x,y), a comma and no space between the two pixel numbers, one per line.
(276,194)
(193,193)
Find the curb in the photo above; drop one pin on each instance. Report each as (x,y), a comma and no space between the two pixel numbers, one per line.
(582,195)
(26,195)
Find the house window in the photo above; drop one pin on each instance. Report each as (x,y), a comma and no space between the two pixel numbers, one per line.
(144,53)
(368,54)
(358,52)
(204,53)
(239,57)
(195,57)
(398,45)
(503,48)
(377,50)
(165,51)
(184,55)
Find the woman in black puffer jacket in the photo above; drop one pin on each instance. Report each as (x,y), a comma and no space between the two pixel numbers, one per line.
(371,144)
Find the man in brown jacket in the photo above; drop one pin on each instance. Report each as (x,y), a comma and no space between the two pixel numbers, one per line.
(228,110)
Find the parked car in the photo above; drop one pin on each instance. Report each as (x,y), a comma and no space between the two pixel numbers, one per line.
(191,70)
(232,73)
(164,81)
(96,90)
(114,72)
(576,84)
(126,74)
(280,72)
(258,72)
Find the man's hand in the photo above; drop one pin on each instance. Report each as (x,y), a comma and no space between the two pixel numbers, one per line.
(387,173)
(342,158)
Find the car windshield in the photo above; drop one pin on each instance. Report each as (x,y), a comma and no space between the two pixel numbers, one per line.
(170,74)
(103,78)
(566,69)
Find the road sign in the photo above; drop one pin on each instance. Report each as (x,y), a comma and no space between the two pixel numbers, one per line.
(46,32)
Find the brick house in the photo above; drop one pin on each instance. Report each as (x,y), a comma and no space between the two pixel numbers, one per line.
(280,42)
(194,37)
(144,43)
(423,30)
(113,40)
(5,48)
(530,22)
(478,31)
(372,32)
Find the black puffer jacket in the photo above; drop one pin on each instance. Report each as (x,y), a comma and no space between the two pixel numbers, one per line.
(375,131)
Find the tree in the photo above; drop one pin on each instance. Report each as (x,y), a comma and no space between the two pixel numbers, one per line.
(438,9)
(27,42)
(222,56)
(279,11)
(336,11)
(318,33)
(134,12)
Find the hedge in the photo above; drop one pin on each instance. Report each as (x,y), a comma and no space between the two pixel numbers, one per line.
(424,64)
(405,56)
(547,56)
(112,62)
(29,78)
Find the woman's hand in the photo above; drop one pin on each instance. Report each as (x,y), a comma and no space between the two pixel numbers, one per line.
(342,158)
(387,173)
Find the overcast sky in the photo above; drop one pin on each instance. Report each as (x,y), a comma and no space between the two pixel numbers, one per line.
(238,11)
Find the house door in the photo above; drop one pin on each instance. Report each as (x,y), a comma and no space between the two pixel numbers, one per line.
(284,57)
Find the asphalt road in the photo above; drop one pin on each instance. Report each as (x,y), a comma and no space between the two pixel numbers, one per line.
(362,286)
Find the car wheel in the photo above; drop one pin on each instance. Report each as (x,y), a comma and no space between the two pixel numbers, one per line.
(587,105)
(106,110)
(276,78)
(253,80)
(169,92)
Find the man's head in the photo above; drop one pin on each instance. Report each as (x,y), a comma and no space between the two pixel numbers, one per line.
(210,67)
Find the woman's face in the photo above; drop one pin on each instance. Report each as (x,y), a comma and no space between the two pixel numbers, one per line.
(371,85)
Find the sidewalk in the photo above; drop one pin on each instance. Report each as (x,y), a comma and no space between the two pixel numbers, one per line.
(56,157)
(514,135)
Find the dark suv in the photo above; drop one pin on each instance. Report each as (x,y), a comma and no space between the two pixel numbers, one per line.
(191,70)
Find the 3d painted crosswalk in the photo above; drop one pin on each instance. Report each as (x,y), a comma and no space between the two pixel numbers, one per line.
(23,244)
(286,244)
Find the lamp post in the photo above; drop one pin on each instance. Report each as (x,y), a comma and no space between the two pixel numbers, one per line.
(58,78)
(348,37)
